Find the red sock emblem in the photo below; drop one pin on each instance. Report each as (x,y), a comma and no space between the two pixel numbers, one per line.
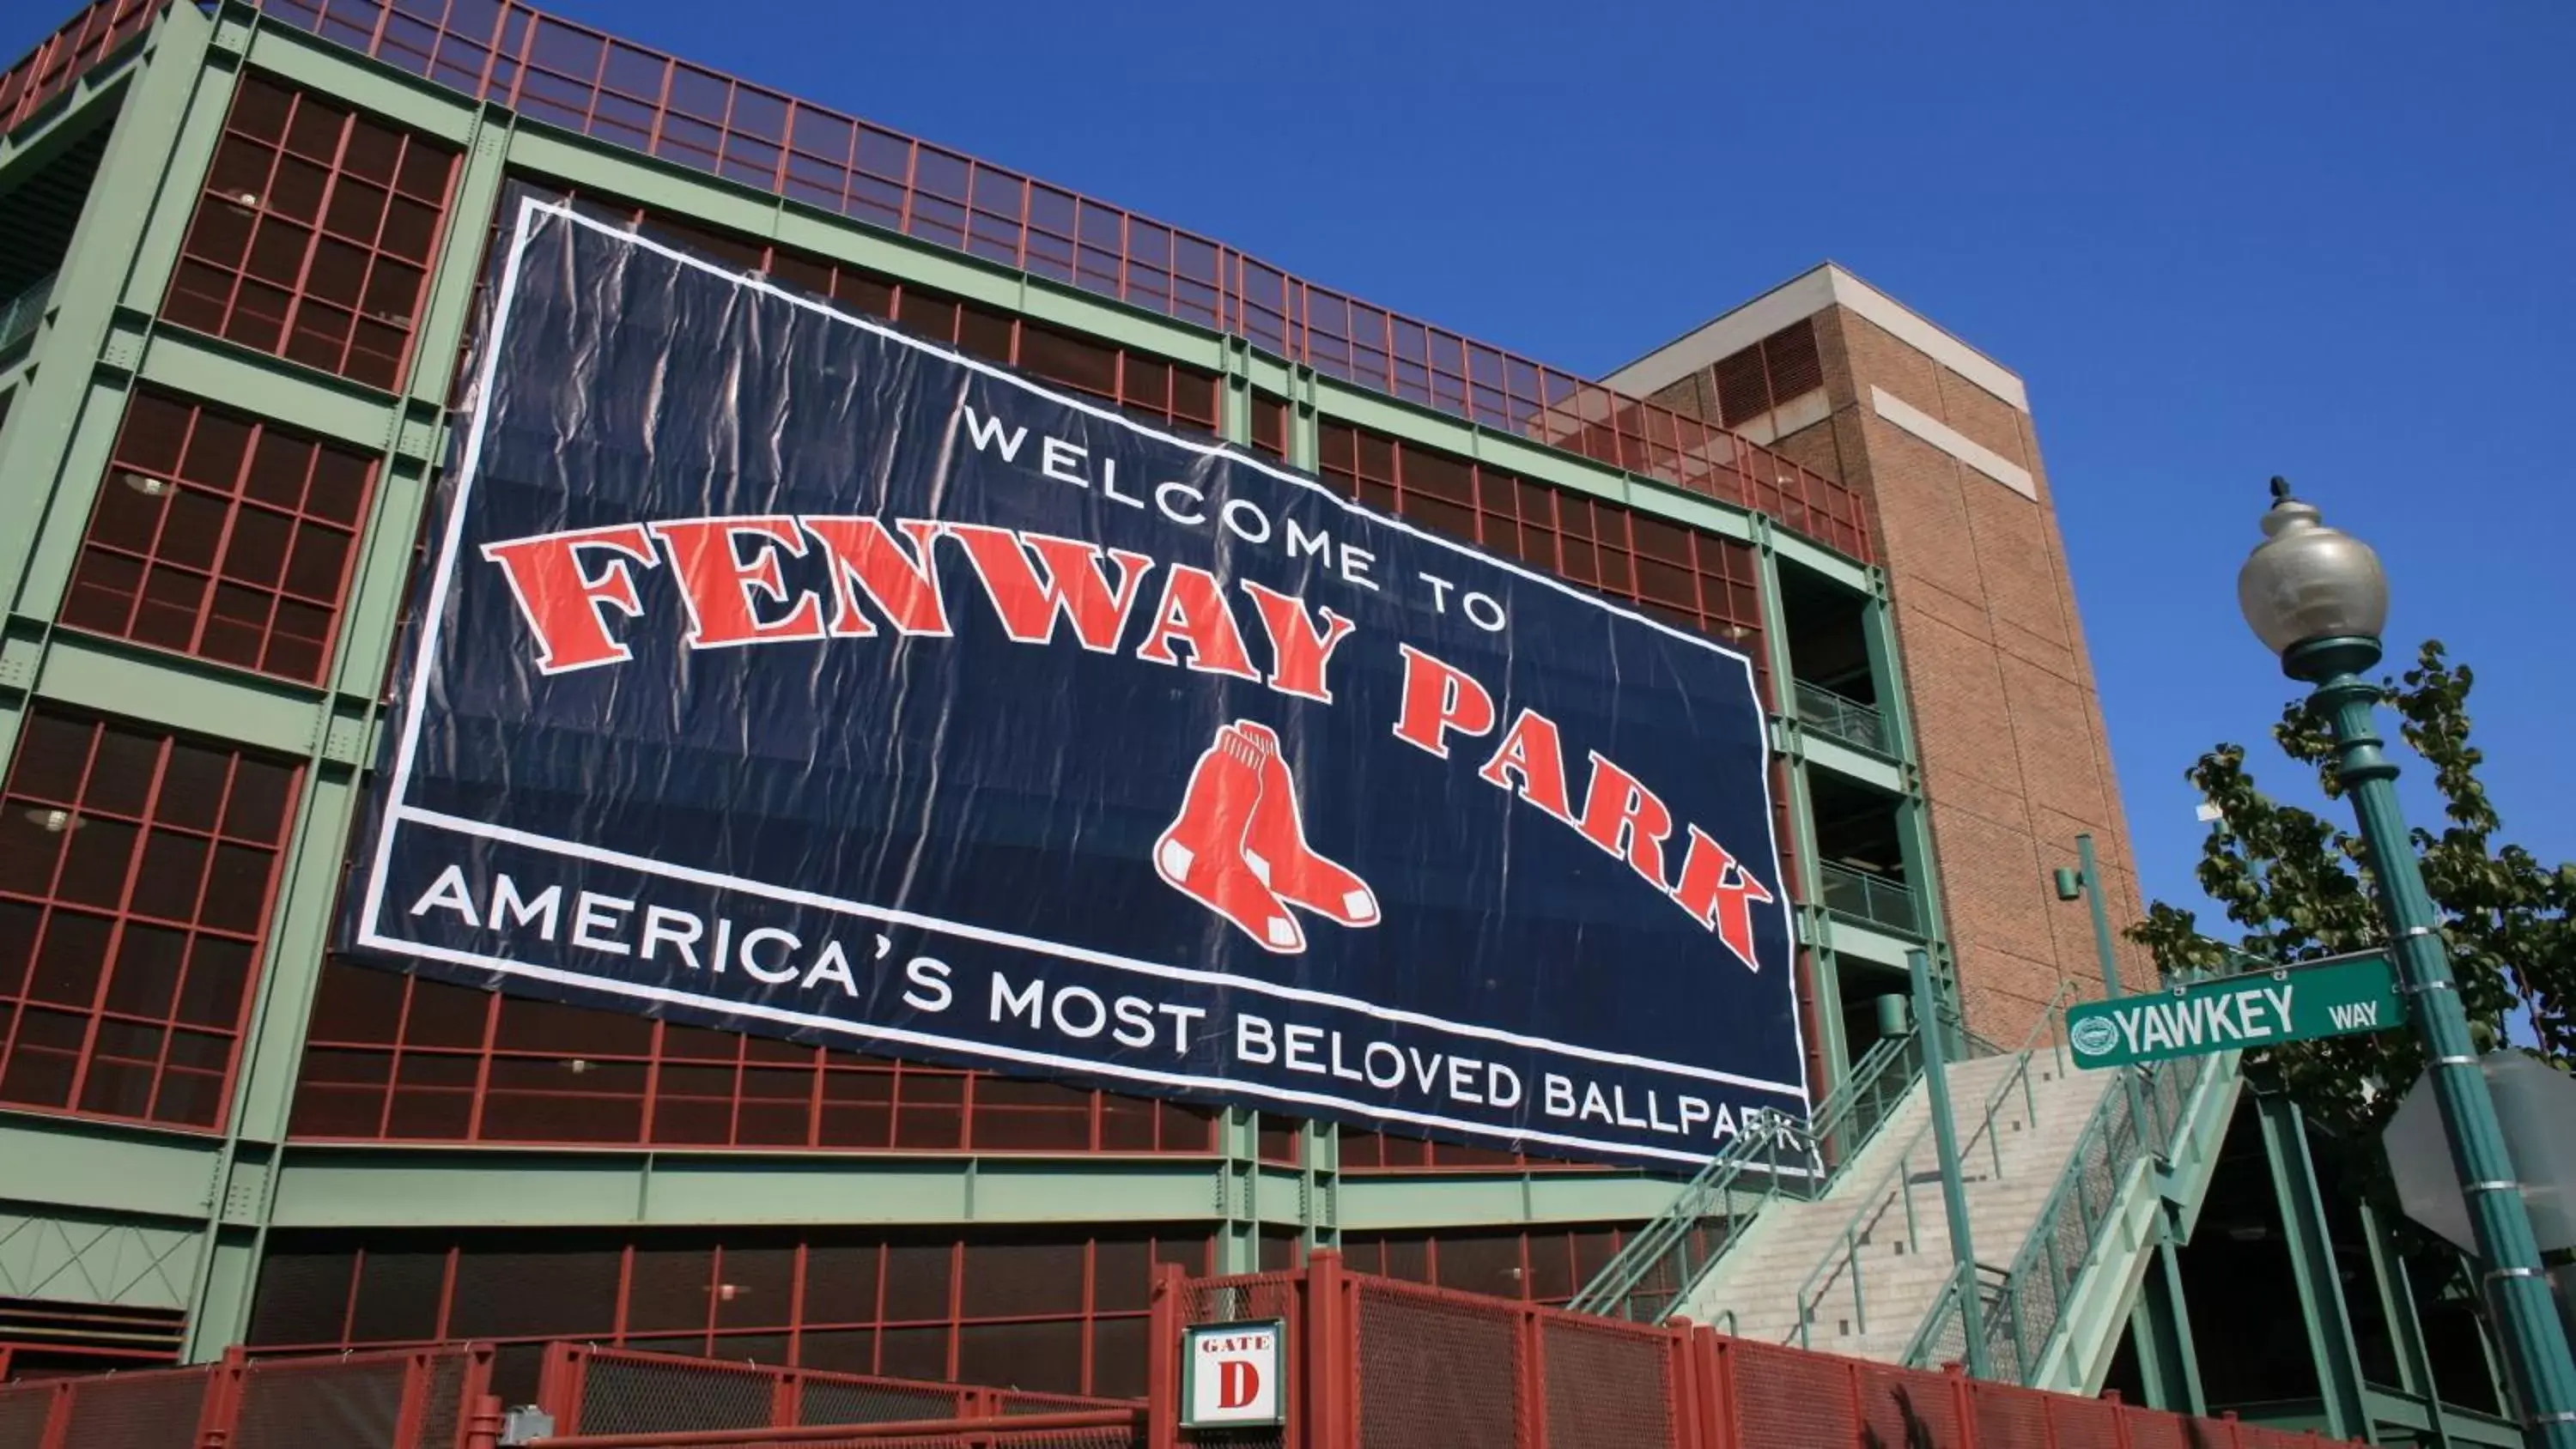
(1239,847)
(1275,845)
(1201,854)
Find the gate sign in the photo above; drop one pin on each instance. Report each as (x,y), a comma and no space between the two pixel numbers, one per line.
(2335,997)
(1232,1373)
(782,673)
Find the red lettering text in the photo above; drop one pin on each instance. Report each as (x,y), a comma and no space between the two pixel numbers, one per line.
(1532,753)
(719,584)
(561,598)
(1437,699)
(1193,611)
(866,559)
(1073,587)
(1626,819)
(1720,894)
(1298,650)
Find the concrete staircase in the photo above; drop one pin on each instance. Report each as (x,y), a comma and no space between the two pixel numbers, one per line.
(1865,1280)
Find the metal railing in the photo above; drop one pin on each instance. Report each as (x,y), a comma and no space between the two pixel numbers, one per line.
(1847,720)
(564,74)
(1660,1263)
(76,48)
(1871,898)
(2025,1303)
(20,314)
(1896,1186)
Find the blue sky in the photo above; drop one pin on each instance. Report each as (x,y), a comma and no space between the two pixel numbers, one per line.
(2219,241)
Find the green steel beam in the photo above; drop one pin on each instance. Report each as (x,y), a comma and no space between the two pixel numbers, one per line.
(64,1255)
(56,444)
(1823,973)
(2321,1302)
(1794,738)
(68,117)
(2405,1327)
(184,693)
(70,1163)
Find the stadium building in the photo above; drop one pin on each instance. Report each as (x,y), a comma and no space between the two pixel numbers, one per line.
(246,252)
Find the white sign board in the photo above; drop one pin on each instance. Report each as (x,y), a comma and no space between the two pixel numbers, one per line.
(1234,1374)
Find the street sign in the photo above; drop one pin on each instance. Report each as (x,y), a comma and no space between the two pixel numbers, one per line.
(2534,1103)
(1234,1375)
(2265,1008)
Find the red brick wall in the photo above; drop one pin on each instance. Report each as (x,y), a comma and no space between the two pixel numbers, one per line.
(2008,726)
(2007,723)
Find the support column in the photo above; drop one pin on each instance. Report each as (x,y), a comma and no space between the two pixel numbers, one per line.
(1831,1050)
(2160,1328)
(2303,1223)
(2405,1328)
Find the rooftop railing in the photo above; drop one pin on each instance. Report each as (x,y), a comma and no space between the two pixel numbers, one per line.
(586,81)
(72,51)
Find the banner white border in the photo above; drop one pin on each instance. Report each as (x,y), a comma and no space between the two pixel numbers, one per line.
(397,812)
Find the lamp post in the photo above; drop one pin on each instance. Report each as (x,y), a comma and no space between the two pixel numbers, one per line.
(2316,597)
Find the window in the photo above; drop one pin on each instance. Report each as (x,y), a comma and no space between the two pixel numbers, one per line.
(136,870)
(1775,370)
(1165,394)
(223,537)
(1540,1265)
(1682,575)
(392,1056)
(1059,1310)
(1270,427)
(315,234)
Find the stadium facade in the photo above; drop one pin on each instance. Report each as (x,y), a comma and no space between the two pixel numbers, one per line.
(249,250)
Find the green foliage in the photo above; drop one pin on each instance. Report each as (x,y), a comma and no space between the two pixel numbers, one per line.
(2301,887)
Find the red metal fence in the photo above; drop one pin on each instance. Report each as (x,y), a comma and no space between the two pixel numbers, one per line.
(1379,1364)
(588,81)
(606,1391)
(69,53)
(405,1399)
(1372,1364)
(585,80)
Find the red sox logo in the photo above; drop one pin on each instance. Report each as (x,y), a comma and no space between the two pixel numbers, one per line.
(1239,848)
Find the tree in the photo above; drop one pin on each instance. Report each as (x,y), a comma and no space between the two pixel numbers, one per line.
(2301,887)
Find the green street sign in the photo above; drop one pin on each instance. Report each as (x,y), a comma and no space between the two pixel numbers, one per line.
(2265,1008)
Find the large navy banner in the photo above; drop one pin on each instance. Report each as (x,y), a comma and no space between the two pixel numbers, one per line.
(787,674)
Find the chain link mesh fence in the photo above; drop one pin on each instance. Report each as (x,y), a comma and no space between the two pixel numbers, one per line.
(1438,1370)
(622,1391)
(1605,1385)
(292,1404)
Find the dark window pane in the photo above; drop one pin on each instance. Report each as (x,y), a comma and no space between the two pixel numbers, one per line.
(916,1282)
(399,1291)
(1021,1280)
(146,978)
(303,1295)
(841,1283)
(1043,1357)
(356,1004)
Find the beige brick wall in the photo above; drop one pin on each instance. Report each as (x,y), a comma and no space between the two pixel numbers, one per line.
(2007,723)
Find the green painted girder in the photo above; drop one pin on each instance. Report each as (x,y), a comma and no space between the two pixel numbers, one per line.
(66,1255)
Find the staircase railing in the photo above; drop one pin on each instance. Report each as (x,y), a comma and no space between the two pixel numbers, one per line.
(2026,1303)
(1661,1262)
(1841,1261)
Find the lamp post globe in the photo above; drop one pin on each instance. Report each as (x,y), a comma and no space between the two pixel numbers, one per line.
(2306,583)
